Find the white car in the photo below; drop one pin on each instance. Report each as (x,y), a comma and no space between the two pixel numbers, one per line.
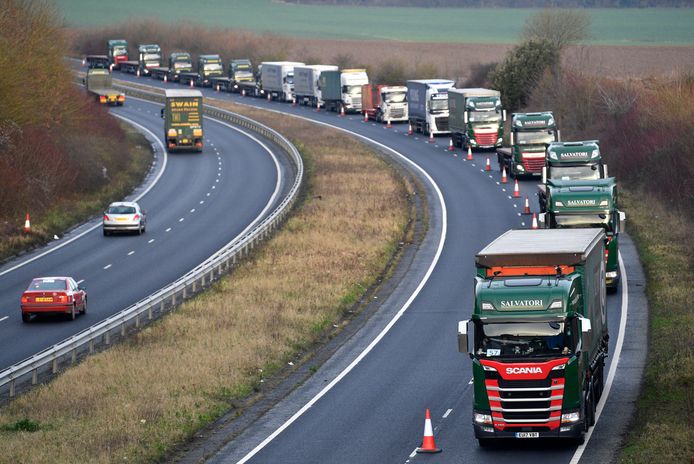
(124,216)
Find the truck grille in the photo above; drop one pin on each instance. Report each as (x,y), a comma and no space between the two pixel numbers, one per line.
(486,139)
(441,123)
(526,403)
(397,112)
(533,162)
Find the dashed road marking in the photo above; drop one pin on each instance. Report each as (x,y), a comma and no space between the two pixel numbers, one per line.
(193,210)
(181,220)
(447,413)
(2,319)
(80,281)
(168,230)
(150,240)
(107,266)
(131,253)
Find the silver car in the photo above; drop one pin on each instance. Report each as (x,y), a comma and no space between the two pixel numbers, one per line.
(124,216)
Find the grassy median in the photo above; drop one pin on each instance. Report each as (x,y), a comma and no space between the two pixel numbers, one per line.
(664,424)
(137,400)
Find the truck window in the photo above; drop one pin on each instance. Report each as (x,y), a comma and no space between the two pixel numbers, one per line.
(582,220)
(484,116)
(534,138)
(524,339)
(438,106)
(574,172)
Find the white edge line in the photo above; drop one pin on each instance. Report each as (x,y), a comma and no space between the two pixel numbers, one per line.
(397,316)
(613,366)
(149,187)
(3,318)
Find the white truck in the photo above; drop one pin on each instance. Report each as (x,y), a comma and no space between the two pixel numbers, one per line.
(427,102)
(277,79)
(342,89)
(384,103)
(306,83)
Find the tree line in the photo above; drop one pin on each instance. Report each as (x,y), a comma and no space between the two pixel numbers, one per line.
(504,3)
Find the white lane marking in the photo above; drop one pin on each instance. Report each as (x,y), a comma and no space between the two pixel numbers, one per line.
(107,266)
(144,192)
(181,220)
(80,281)
(447,413)
(150,240)
(396,317)
(207,194)
(471,381)
(217,180)
(202,202)
(414,453)
(168,230)
(192,210)
(2,319)
(131,253)
(214,187)
(615,362)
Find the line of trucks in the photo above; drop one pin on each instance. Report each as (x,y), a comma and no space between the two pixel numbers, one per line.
(538,330)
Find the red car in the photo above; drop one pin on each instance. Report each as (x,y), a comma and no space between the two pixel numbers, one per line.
(53,295)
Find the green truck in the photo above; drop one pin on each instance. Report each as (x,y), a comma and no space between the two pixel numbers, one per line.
(148,57)
(99,83)
(208,67)
(182,115)
(117,52)
(580,162)
(573,206)
(179,62)
(240,77)
(539,330)
(476,118)
(531,133)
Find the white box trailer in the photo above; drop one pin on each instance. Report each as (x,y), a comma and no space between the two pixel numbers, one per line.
(306,87)
(277,78)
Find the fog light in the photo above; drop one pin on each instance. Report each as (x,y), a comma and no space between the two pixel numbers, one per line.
(574,416)
(565,429)
(488,429)
(483,418)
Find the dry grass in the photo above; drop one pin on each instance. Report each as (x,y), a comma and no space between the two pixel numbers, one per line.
(140,398)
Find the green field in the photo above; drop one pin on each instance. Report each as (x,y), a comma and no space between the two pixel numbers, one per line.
(661,26)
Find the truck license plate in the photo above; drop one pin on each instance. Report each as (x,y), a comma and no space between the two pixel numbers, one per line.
(527,434)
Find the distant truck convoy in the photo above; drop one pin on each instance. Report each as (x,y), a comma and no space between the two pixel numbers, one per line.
(531,133)
(182,115)
(208,68)
(306,86)
(148,57)
(385,103)
(179,62)
(277,79)
(476,117)
(117,52)
(99,83)
(539,334)
(427,105)
(342,89)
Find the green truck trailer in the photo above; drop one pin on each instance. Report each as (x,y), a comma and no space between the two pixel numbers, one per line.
(539,334)
(240,78)
(208,67)
(148,57)
(476,118)
(572,206)
(531,133)
(182,115)
(179,62)
(99,83)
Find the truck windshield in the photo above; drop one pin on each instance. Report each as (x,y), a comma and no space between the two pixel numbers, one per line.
(395,97)
(524,339)
(582,220)
(535,138)
(182,64)
(484,116)
(118,51)
(353,90)
(438,106)
(591,172)
(151,57)
(212,67)
(243,74)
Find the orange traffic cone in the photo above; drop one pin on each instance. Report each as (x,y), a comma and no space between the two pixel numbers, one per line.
(366,116)
(534,225)
(526,210)
(469,153)
(516,190)
(27,225)
(450,144)
(409,128)
(431,137)
(488,166)
(342,111)
(504,179)
(389,125)
(428,445)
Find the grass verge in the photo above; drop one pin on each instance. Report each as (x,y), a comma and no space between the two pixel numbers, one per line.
(71,211)
(142,397)
(663,429)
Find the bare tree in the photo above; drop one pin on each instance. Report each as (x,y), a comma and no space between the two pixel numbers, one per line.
(557,26)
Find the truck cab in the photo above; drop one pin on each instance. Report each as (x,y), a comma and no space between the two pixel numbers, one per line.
(117,52)
(209,66)
(539,334)
(385,102)
(427,101)
(574,206)
(179,62)
(578,162)
(241,74)
(182,113)
(149,56)
(476,117)
(531,134)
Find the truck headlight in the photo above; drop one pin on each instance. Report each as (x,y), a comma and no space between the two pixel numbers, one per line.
(519,167)
(499,140)
(594,154)
(570,417)
(488,307)
(557,304)
(197,132)
(604,203)
(611,274)
(559,203)
(483,418)
(172,133)
(550,121)
(553,155)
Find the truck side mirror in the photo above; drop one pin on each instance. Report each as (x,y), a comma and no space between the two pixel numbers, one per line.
(544,174)
(503,117)
(462,337)
(541,218)
(465,117)
(586,334)
(604,171)
(161,113)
